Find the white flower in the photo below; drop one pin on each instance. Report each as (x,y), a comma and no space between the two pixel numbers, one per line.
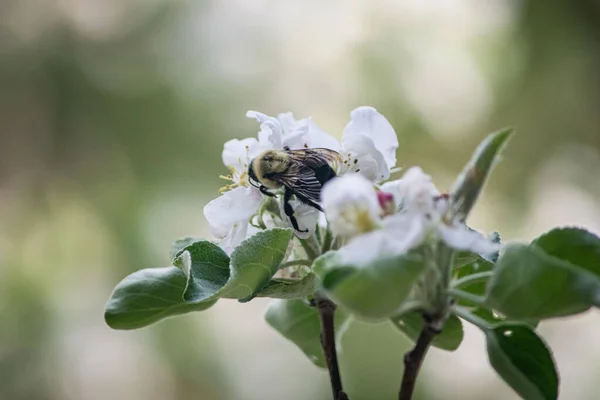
(352,208)
(369,144)
(229,214)
(285,131)
(350,204)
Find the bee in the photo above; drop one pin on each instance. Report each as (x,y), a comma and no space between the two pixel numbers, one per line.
(301,173)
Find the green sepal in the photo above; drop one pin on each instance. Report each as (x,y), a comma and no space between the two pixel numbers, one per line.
(470,182)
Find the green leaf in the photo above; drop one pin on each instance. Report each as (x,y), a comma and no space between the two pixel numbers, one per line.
(468,185)
(574,245)
(323,262)
(529,284)
(300,323)
(449,339)
(208,270)
(180,245)
(255,261)
(212,274)
(462,258)
(289,288)
(373,291)
(147,296)
(523,360)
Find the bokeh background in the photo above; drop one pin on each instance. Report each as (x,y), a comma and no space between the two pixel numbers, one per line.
(113,114)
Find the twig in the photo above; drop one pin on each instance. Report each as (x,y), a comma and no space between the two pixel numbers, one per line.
(326,310)
(414,358)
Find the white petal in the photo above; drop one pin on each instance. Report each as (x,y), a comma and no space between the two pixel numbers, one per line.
(260,117)
(366,121)
(231,207)
(318,138)
(351,205)
(297,137)
(409,231)
(271,131)
(237,234)
(395,188)
(366,248)
(238,153)
(369,161)
(461,238)
(287,121)
(322,220)
(419,193)
(306,216)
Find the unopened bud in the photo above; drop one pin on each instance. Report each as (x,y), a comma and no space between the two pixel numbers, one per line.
(386,202)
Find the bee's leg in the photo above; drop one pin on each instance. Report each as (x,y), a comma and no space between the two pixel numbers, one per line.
(308,201)
(289,211)
(263,189)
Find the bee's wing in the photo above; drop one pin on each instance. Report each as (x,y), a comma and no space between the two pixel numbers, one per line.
(306,176)
(314,157)
(307,185)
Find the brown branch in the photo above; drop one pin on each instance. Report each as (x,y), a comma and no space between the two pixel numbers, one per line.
(414,358)
(326,310)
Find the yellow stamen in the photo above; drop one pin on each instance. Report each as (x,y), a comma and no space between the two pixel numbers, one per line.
(237,181)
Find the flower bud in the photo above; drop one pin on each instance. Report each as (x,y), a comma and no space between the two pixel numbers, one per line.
(386,203)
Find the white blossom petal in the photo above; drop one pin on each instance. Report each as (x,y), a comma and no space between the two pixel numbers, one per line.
(280,132)
(236,235)
(287,122)
(237,154)
(322,220)
(306,216)
(397,189)
(271,131)
(350,204)
(364,157)
(461,238)
(366,121)
(367,248)
(232,207)
(409,231)
(419,193)
(317,138)
(297,136)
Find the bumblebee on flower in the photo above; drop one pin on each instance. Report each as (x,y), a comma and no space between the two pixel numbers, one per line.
(368,146)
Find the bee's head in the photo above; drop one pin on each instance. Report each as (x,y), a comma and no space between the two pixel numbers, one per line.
(251,174)
(272,162)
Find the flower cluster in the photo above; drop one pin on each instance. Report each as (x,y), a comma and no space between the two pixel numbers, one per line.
(400,216)
(374,218)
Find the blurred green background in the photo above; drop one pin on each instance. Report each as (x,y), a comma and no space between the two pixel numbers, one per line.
(113,114)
